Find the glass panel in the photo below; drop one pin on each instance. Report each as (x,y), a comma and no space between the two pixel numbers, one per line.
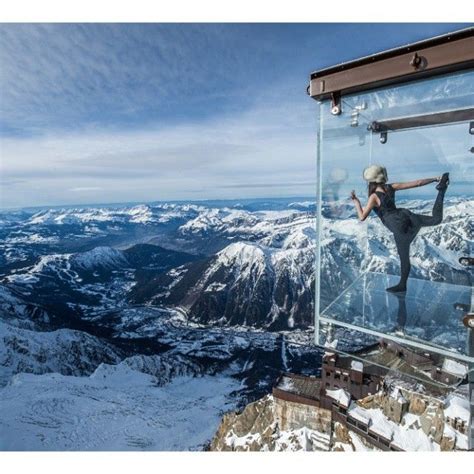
(343,150)
(417,317)
(447,92)
(360,260)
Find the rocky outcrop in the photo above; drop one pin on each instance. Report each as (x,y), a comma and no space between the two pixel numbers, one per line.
(251,430)
(294,416)
(260,428)
(393,418)
(344,439)
(417,405)
(447,443)
(393,405)
(341,434)
(432,421)
(427,413)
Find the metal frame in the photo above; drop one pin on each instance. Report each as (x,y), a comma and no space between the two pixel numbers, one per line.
(399,340)
(439,118)
(407,341)
(438,55)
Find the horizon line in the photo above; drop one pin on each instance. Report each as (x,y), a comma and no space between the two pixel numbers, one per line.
(172,201)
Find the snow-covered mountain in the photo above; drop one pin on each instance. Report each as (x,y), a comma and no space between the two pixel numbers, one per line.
(100,258)
(161,295)
(267,280)
(260,271)
(63,351)
(19,312)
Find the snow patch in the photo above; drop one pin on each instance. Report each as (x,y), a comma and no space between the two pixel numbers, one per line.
(340,395)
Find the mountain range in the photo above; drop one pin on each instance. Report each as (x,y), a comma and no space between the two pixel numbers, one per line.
(175,290)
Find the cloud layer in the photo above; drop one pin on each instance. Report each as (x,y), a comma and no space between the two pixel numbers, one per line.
(260,152)
(122,112)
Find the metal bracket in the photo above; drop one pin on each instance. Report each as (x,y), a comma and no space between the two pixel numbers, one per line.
(466,261)
(416,61)
(355,114)
(377,127)
(465,308)
(336,105)
(468,320)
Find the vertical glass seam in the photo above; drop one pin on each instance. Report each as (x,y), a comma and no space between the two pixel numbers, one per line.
(317,256)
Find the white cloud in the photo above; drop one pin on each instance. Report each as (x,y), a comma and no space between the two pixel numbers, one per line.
(65,75)
(85,189)
(268,150)
(87,105)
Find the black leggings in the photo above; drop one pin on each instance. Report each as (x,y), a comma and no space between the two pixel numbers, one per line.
(405,226)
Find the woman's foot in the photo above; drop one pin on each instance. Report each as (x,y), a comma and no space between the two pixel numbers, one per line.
(400,288)
(443,182)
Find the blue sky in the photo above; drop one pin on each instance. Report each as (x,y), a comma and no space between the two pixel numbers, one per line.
(123,112)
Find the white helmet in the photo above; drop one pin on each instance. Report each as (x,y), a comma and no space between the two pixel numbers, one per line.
(376,174)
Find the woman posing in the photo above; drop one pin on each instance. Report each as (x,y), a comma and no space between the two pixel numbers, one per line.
(403,223)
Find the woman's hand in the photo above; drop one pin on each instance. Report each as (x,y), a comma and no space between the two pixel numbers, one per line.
(353,195)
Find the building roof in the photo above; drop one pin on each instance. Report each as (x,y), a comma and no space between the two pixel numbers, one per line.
(307,387)
(349,363)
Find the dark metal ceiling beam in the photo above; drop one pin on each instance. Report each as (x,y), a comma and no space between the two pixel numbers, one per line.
(439,118)
(436,56)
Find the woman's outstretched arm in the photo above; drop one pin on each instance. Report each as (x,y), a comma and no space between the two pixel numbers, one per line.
(414,184)
(362,213)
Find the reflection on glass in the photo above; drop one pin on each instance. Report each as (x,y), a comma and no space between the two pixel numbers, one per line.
(427,316)
(331,193)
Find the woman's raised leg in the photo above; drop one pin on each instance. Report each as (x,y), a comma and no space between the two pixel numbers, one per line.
(436,215)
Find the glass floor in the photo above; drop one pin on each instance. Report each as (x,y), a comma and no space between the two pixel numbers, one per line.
(427,317)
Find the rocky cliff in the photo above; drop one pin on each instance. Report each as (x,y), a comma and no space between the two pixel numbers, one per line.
(262,427)
(410,420)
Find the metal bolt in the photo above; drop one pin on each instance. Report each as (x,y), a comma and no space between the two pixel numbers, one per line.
(415,61)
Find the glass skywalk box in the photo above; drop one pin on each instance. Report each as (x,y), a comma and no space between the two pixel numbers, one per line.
(400,276)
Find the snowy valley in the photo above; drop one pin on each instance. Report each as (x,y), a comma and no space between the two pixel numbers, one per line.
(138,327)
